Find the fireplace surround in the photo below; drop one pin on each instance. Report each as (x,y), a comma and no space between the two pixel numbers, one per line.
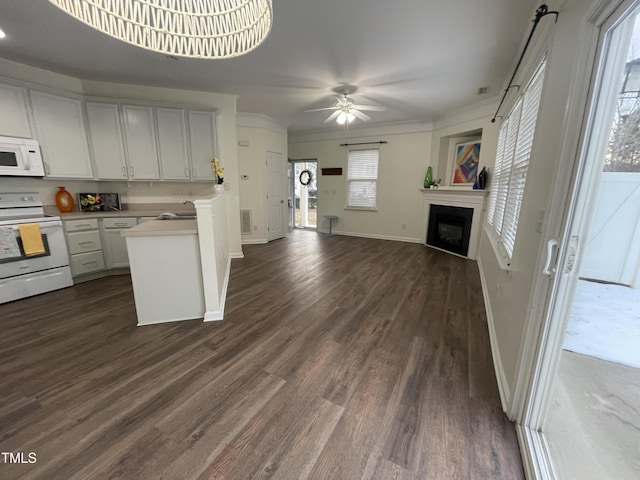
(468,205)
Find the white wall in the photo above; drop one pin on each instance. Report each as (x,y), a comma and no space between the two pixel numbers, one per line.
(401,171)
(509,292)
(263,134)
(134,192)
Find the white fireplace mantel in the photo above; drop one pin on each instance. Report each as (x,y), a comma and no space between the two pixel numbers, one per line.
(456,197)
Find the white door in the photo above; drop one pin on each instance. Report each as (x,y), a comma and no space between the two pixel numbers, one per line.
(63,139)
(172,140)
(276,207)
(106,141)
(140,141)
(575,196)
(14,121)
(202,128)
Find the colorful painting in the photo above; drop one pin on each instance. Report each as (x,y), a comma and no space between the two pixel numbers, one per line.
(465,168)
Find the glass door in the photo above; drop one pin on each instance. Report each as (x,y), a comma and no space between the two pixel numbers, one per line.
(304,193)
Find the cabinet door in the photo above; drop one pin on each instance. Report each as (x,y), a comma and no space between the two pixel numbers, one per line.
(106,141)
(140,141)
(60,130)
(115,248)
(14,119)
(202,129)
(172,140)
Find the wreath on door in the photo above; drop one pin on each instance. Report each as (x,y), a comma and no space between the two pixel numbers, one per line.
(308,176)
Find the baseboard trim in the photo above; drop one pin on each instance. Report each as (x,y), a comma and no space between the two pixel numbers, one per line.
(254,241)
(535,454)
(503,386)
(217,315)
(374,236)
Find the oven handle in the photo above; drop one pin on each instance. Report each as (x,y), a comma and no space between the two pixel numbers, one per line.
(43,226)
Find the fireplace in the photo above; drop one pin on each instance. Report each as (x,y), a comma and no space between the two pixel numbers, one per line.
(449,228)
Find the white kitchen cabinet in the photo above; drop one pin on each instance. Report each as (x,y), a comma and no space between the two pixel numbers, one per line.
(115,245)
(172,142)
(140,142)
(59,122)
(14,117)
(202,140)
(84,245)
(107,143)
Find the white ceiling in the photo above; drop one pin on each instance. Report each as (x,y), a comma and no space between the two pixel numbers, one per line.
(418,58)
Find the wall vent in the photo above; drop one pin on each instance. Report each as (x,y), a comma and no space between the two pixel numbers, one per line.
(245,222)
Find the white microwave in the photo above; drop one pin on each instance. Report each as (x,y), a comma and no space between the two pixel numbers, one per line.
(20,157)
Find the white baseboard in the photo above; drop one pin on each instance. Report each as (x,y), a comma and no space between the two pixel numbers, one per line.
(236,255)
(218,315)
(373,235)
(535,455)
(503,386)
(254,241)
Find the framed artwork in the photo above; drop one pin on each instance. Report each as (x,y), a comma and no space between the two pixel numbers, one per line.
(465,163)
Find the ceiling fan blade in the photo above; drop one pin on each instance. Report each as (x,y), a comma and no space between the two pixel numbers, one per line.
(362,116)
(321,109)
(333,116)
(371,108)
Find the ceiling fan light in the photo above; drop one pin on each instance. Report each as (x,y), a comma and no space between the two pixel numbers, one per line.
(182,28)
(347,117)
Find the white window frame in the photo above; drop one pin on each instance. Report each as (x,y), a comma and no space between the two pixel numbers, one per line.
(360,178)
(515,141)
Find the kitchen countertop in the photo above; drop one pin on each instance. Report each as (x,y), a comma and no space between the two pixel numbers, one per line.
(128,210)
(156,228)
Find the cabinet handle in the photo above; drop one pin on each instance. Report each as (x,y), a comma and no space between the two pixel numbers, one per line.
(46,168)
(83,225)
(90,263)
(186,171)
(195,172)
(131,171)
(124,171)
(86,243)
(121,224)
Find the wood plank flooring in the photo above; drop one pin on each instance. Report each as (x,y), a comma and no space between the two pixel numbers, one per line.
(339,358)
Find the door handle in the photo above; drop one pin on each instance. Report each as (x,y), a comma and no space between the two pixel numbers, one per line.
(548,269)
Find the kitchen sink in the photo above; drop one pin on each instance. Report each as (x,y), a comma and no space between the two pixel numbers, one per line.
(177,216)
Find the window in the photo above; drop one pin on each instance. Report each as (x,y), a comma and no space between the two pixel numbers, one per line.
(512,162)
(362,179)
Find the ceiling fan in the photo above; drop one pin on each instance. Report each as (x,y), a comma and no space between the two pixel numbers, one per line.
(346,110)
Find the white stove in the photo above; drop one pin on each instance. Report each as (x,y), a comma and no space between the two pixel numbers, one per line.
(23,275)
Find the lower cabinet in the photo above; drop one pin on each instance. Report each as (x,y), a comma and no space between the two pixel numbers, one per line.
(115,245)
(84,245)
(96,245)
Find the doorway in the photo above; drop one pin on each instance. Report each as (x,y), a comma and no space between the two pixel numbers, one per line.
(583,401)
(303,194)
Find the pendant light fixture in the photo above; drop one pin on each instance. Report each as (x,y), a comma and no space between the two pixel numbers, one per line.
(204,29)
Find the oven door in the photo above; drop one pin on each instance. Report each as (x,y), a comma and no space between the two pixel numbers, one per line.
(55,252)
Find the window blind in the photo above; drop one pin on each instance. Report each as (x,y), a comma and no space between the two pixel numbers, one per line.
(362,178)
(515,141)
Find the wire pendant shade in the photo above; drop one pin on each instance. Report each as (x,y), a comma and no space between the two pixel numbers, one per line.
(184,28)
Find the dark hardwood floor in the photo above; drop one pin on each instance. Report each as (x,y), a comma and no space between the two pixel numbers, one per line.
(339,358)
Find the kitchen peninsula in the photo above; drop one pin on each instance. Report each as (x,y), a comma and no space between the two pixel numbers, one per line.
(180,267)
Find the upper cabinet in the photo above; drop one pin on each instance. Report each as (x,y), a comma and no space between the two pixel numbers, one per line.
(14,120)
(202,140)
(172,141)
(140,142)
(106,141)
(59,122)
